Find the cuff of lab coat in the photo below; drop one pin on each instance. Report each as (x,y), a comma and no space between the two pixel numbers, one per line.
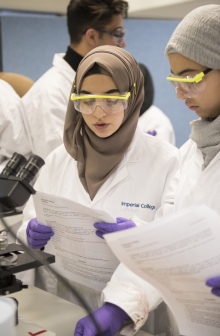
(132,302)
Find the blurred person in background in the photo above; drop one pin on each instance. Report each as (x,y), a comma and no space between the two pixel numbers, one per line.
(90,23)
(13,137)
(20,83)
(152,119)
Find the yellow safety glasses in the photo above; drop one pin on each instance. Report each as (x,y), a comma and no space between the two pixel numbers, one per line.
(109,103)
(189,86)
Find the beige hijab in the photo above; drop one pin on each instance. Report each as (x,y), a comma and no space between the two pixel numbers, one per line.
(97,158)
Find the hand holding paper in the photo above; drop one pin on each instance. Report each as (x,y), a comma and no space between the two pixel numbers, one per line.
(37,234)
(215,284)
(122,224)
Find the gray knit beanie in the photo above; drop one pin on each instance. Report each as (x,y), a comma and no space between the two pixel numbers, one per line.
(197,37)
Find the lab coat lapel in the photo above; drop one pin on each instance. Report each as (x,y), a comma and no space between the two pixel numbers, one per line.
(133,155)
(112,181)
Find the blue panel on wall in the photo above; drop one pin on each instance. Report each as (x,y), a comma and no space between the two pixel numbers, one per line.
(29,42)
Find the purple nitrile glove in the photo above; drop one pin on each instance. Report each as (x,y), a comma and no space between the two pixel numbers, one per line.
(153,132)
(109,319)
(215,284)
(122,224)
(38,234)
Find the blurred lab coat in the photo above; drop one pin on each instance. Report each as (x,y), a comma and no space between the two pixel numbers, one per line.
(147,169)
(13,136)
(153,119)
(45,105)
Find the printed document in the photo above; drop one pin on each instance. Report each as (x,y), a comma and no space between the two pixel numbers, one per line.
(80,255)
(177,254)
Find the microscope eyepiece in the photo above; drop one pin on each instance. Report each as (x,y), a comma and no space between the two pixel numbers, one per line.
(14,181)
(14,165)
(31,168)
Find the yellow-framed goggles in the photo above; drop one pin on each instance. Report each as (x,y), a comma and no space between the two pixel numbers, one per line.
(109,103)
(189,86)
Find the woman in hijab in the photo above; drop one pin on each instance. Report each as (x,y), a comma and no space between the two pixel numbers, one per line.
(106,162)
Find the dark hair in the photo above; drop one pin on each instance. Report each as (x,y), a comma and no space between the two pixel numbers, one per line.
(148,88)
(85,14)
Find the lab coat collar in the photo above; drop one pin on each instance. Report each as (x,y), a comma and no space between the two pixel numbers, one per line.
(60,63)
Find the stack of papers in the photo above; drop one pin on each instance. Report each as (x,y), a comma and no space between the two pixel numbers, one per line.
(177,255)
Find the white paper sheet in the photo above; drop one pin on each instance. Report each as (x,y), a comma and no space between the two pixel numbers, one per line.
(176,255)
(81,256)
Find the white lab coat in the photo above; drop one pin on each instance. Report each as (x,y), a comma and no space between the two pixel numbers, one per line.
(45,106)
(156,120)
(143,177)
(13,136)
(196,186)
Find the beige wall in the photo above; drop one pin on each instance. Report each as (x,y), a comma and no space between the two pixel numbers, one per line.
(162,9)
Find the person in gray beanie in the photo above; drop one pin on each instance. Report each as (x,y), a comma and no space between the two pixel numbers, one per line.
(194,55)
(193,52)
